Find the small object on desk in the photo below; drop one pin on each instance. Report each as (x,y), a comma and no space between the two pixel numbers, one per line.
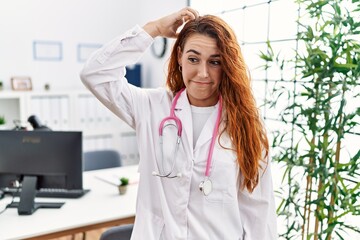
(2,120)
(124,182)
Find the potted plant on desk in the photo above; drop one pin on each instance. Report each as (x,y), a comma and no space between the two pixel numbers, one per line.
(2,122)
(124,182)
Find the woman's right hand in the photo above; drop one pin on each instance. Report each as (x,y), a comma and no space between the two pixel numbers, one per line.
(167,26)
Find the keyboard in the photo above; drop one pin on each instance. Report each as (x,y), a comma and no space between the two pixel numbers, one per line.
(51,192)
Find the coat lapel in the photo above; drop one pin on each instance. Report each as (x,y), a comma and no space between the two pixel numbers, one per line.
(183,112)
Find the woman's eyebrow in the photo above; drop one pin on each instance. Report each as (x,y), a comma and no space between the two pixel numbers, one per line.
(198,53)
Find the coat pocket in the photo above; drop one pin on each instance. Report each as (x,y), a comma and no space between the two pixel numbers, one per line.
(223,177)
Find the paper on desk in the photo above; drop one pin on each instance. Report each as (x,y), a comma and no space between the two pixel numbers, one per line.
(114,179)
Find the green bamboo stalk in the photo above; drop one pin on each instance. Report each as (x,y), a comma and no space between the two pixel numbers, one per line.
(316,227)
(337,160)
(308,191)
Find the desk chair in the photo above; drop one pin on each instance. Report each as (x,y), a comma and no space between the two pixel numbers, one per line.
(122,232)
(101,159)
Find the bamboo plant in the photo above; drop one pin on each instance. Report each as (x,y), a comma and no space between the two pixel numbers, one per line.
(321,182)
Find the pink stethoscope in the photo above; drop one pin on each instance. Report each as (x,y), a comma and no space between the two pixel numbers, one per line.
(205,185)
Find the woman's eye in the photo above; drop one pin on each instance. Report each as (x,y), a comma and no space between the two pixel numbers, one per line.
(215,62)
(192,60)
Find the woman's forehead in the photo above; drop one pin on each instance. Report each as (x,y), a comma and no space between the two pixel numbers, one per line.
(201,42)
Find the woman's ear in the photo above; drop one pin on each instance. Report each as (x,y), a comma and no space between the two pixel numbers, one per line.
(179,55)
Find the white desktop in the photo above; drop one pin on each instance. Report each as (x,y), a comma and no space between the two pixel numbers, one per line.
(103,206)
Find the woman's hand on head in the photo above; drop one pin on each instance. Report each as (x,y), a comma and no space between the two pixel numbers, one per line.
(167,26)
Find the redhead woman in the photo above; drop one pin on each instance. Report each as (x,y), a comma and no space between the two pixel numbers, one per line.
(204,154)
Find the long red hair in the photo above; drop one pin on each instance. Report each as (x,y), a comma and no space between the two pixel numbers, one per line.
(242,120)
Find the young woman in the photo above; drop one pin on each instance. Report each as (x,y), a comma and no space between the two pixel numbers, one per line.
(204,155)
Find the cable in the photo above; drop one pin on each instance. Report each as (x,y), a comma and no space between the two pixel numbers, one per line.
(12,200)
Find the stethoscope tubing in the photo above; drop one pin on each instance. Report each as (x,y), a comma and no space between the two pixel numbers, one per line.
(172,116)
(178,124)
(212,144)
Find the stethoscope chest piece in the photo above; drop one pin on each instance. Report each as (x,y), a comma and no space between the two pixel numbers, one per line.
(206,187)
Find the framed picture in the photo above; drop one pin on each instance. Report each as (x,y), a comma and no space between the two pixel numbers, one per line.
(21,83)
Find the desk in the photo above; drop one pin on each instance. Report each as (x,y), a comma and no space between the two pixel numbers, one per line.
(101,207)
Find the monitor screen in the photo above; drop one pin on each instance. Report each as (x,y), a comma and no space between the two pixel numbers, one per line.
(52,159)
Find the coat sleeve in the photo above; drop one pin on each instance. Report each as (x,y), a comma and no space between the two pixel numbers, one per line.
(257,209)
(104,72)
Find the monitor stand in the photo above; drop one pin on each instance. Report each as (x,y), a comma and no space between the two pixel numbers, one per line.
(27,204)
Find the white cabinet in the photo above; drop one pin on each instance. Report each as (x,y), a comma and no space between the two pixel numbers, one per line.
(72,111)
(12,107)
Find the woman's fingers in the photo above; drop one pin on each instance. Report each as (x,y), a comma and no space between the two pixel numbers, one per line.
(182,17)
(191,13)
(187,14)
(167,26)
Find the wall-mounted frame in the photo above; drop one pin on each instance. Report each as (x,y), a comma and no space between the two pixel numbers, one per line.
(21,83)
(47,51)
(84,50)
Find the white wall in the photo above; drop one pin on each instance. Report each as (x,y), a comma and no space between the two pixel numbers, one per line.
(154,68)
(71,22)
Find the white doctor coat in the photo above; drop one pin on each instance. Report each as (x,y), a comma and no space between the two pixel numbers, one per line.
(175,208)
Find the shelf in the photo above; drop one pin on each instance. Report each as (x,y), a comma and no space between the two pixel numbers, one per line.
(71,111)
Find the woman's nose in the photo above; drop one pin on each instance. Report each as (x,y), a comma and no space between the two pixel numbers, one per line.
(203,70)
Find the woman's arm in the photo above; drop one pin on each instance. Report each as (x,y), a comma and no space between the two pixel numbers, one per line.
(104,72)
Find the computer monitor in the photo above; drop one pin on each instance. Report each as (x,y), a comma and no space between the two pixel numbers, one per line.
(40,159)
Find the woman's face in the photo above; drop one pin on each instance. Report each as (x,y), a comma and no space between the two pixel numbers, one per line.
(201,69)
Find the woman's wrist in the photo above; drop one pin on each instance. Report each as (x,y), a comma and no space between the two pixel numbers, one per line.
(152,29)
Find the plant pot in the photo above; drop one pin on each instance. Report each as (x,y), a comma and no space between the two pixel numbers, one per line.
(122,189)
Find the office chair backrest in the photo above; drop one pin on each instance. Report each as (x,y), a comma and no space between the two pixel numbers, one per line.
(122,232)
(101,159)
